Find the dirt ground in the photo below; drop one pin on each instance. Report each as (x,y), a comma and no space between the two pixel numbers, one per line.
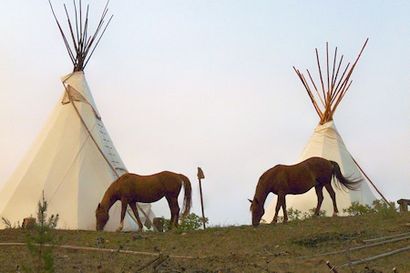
(300,246)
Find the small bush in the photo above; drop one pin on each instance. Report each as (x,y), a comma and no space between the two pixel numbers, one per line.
(378,206)
(357,209)
(294,214)
(191,222)
(8,225)
(40,240)
(384,209)
(297,215)
(311,213)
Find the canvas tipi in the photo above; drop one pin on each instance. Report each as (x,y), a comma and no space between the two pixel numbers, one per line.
(73,160)
(326,141)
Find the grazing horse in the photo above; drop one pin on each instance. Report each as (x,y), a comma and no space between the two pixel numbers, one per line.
(132,188)
(297,179)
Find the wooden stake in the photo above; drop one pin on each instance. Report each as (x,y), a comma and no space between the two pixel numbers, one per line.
(201,175)
(332,268)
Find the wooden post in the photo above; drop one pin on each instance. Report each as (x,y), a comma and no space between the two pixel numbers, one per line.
(29,223)
(201,175)
(332,268)
(404,203)
(158,223)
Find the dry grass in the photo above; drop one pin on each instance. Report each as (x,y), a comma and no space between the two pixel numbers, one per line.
(269,248)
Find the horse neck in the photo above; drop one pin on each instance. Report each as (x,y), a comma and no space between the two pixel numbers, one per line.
(261,192)
(110,197)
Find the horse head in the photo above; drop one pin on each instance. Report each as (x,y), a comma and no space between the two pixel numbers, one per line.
(102,217)
(257,211)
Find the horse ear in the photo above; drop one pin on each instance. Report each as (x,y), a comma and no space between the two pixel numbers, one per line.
(250,200)
(99,205)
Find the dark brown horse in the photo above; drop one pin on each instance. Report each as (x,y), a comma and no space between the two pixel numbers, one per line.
(297,179)
(132,188)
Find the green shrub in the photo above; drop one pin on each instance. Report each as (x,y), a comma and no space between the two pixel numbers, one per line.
(40,241)
(357,209)
(191,222)
(7,224)
(294,214)
(378,206)
(297,215)
(384,209)
(311,213)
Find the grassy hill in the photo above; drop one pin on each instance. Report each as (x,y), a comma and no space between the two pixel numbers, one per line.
(293,247)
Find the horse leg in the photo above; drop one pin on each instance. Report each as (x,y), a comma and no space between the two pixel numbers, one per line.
(136,214)
(123,209)
(279,204)
(285,213)
(319,193)
(174,208)
(332,194)
(275,218)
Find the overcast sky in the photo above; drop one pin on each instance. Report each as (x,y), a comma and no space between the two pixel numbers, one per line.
(181,84)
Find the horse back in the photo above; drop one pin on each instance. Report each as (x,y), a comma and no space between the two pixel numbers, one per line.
(320,166)
(298,178)
(149,188)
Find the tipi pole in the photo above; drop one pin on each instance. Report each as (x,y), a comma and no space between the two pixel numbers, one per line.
(371,182)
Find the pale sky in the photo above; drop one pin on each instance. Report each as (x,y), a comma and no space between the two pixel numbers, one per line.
(181,84)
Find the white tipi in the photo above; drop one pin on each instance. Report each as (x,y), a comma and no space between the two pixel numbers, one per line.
(326,141)
(73,160)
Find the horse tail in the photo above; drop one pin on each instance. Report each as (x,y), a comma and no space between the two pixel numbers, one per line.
(346,182)
(186,207)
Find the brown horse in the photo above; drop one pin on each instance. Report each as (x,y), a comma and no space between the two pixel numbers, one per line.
(132,188)
(297,179)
